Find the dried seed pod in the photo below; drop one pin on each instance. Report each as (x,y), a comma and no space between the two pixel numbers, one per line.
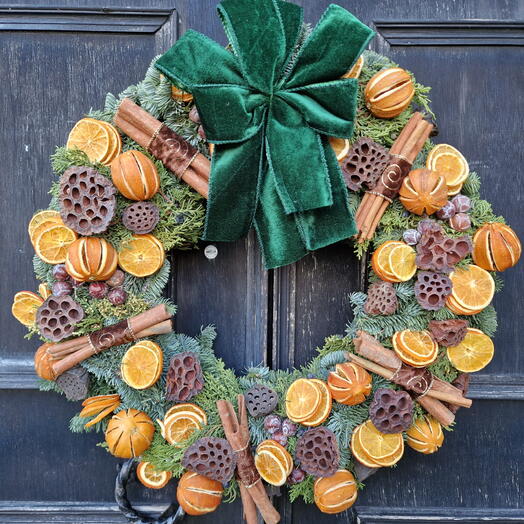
(432,289)
(57,316)
(364,164)
(462,384)
(261,400)
(74,383)
(389,92)
(141,217)
(423,191)
(382,299)
(448,332)
(391,411)
(212,457)
(91,258)
(496,247)
(318,453)
(87,200)
(184,377)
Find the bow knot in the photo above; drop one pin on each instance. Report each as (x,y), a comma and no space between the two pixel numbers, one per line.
(269,105)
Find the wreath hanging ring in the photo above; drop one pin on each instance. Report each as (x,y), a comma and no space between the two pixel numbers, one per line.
(272,135)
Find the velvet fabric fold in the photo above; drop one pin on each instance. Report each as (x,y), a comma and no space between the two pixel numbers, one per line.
(269,105)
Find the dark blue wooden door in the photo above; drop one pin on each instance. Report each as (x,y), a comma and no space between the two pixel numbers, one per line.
(57,63)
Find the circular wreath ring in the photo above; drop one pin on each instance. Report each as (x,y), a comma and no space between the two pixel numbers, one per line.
(397,375)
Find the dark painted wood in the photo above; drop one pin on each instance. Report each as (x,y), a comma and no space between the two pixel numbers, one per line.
(470,52)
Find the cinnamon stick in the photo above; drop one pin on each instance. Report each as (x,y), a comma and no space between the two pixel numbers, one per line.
(166,145)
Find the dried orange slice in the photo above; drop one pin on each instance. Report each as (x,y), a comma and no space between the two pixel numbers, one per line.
(384,449)
(454,190)
(92,137)
(43,216)
(178,94)
(179,427)
(51,245)
(380,260)
(473,288)
(358,451)
(151,477)
(473,353)
(270,466)
(454,306)
(115,142)
(449,162)
(302,400)
(187,406)
(280,451)
(44,226)
(141,365)
(416,348)
(44,291)
(25,306)
(324,407)
(355,71)
(340,146)
(141,256)
(401,262)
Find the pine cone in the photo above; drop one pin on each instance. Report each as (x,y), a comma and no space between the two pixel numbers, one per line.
(57,316)
(382,299)
(212,457)
(438,252)
(141,217)
(184,377)
(431,290)
(391,411)
(317,451)
(364,164)
(87,200)
(448,332)
(261,400)
(74,383)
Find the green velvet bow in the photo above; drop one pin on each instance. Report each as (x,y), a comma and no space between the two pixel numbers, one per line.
(268,106)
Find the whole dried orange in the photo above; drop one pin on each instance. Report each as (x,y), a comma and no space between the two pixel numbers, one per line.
(141,365)
(340,146)
(52,243)
(473,288)
(425,435)
(141,256)
(270,465)
(25,305)
(380,260)
(401,261)
(92,137)
(151,477)
(302,400)
(449,162)
(416,348)
(473,353)
(324,407)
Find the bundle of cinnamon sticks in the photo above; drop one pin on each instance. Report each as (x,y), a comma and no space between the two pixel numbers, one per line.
(163,143)
(384,362)
(403,153)
(155,321)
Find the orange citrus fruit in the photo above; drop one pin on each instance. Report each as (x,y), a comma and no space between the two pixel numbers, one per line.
(340,146)
(380,260)
(336,493)
(279,451)
(454,190)
(187,406)
(51,245)
(115,142)
(401,260)
(473,353)
(179,427)
(425,435)
(39,218)
(416,348)
(270,466)
(25,306)
(151,477)
(473,288)
(44,291)
(44,227)
(141,365)
(324,407)
(449,162)
(384,449)
(183,96)
(358,451)
(355,71)
(92,137)
(141,256)
(302,400)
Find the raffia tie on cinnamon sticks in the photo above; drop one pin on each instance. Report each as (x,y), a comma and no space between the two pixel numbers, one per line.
(252,490)
(431,391)
(171,149)
(403,153)
(155,321)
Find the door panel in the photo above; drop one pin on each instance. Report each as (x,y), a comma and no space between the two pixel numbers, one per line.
(80,53)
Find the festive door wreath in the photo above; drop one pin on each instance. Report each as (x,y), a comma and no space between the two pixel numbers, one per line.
(399,373)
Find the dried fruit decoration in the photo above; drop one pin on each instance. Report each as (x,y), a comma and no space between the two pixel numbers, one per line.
(212,457)
(74,383)
(496,247)
(184,377)
(129,433)
(336,493)
(197,494)
(87,200)
(318,453)
(448,332)
(423,191)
